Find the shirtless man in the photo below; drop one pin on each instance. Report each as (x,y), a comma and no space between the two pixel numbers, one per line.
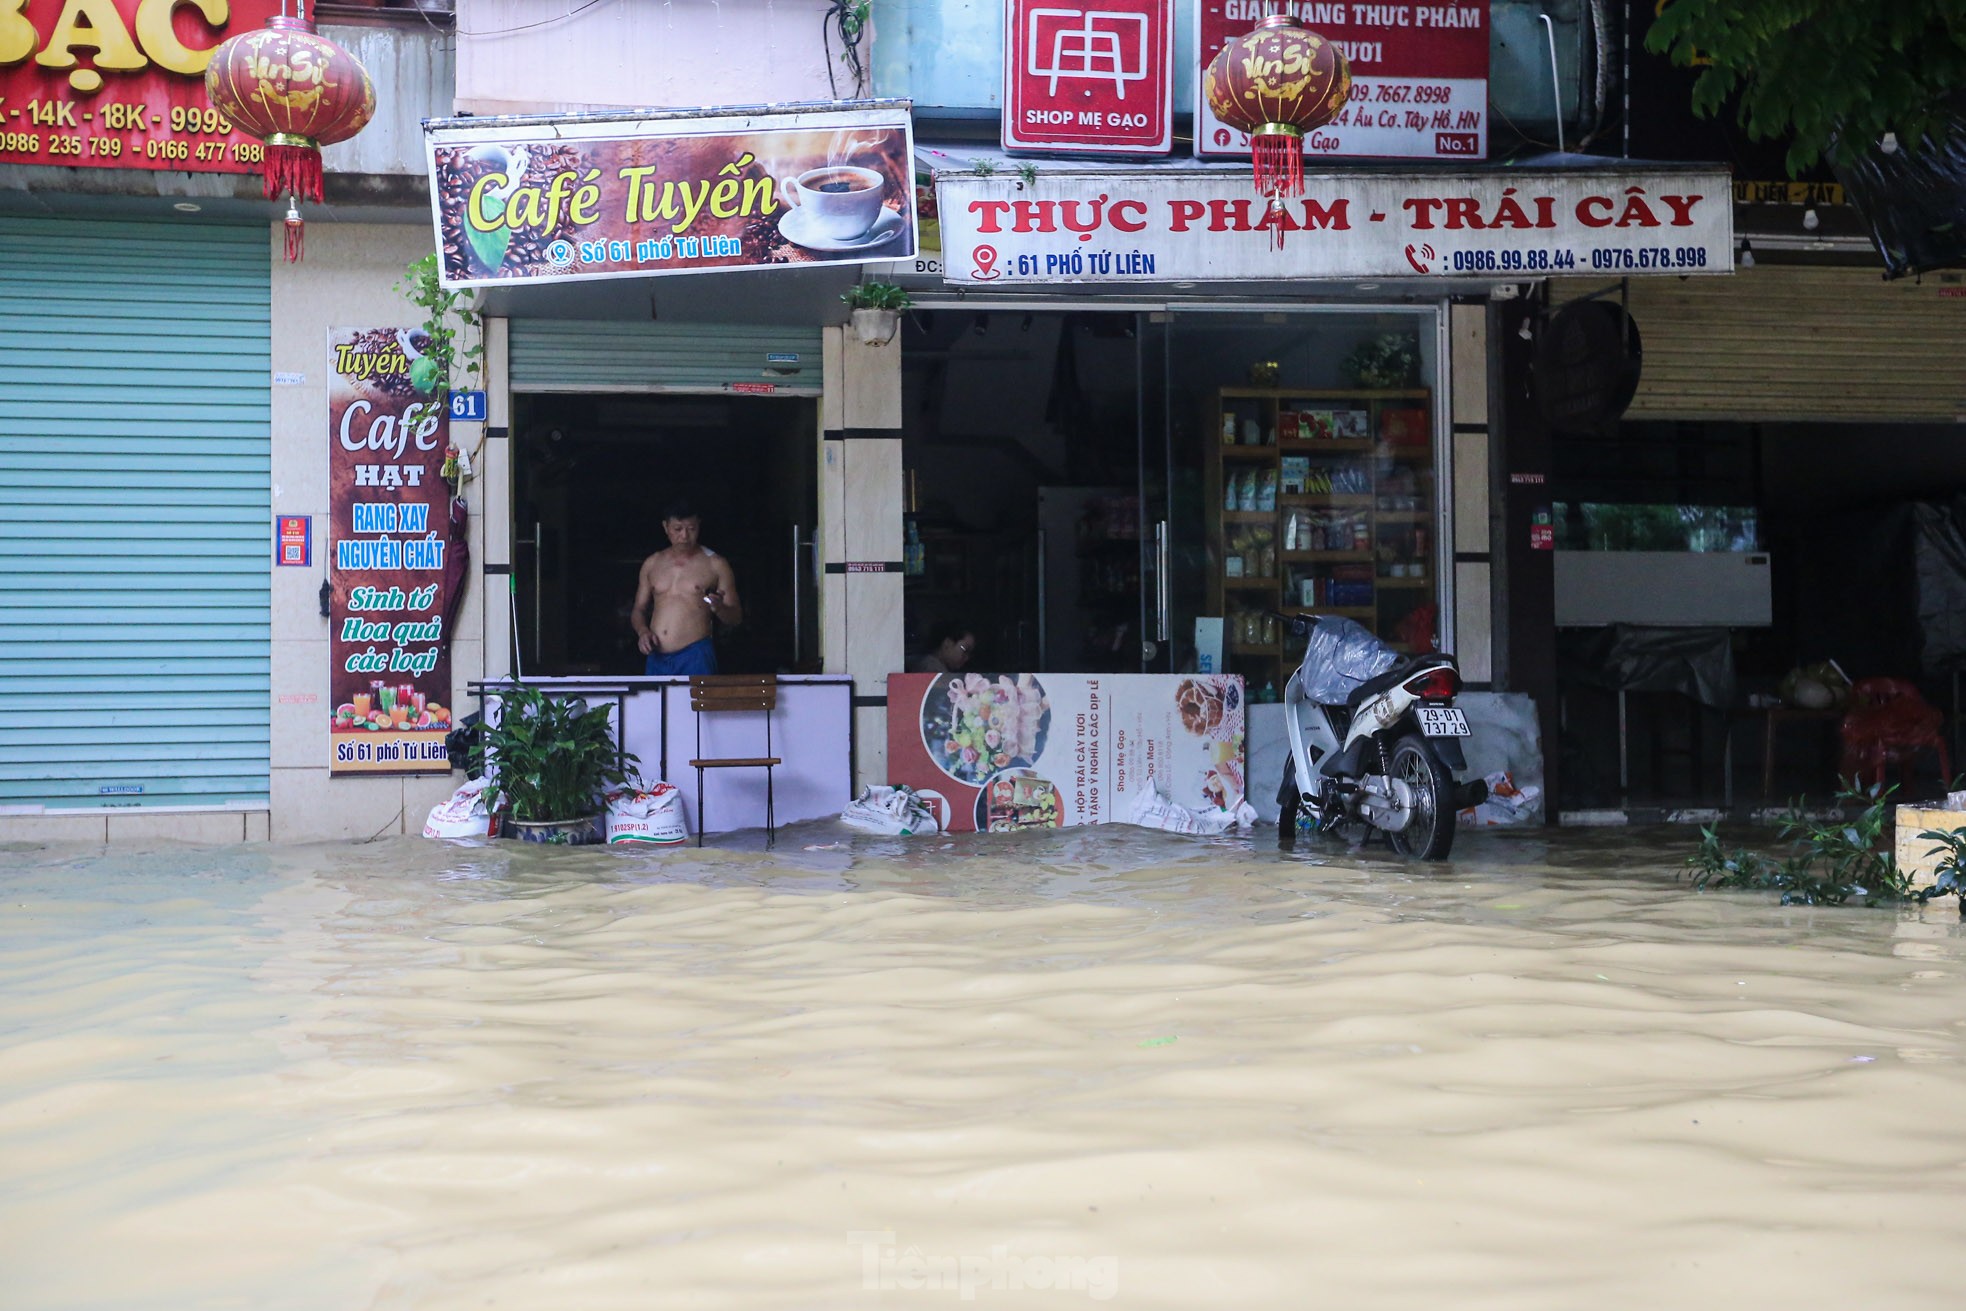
(680,589)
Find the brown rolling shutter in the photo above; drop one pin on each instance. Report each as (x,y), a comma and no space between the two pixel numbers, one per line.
(1792,343)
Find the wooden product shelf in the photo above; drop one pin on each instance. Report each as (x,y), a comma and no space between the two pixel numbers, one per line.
(1385,456)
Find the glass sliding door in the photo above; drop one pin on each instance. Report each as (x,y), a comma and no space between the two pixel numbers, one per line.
(1159,569)
(1294,471)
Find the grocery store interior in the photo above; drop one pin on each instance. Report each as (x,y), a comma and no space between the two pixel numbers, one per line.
(1083,486)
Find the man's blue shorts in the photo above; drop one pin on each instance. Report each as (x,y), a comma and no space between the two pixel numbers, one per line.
(696,658)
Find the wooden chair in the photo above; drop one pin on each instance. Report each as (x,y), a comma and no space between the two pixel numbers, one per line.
(717,694)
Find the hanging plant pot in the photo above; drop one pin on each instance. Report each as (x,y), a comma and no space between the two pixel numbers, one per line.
(876,327)
(556,832)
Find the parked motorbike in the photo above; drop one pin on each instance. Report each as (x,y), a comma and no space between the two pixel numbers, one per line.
(1378,749)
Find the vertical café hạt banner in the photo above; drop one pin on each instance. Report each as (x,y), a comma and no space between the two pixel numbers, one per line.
(388,537)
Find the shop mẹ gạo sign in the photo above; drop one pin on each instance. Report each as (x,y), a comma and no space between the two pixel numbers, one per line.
(628,196)
(1097,81)
(1168,225)
(121,84)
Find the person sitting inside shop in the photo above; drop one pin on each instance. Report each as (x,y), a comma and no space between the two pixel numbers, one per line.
(682,590)
(950,652)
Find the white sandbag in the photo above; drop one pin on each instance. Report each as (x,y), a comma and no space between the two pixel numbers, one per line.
(646,812)
(896,811)
(1508,803)
(463,815)
(1152,809)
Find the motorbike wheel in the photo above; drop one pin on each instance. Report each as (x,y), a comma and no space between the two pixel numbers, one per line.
(1289,802)
(1430,835)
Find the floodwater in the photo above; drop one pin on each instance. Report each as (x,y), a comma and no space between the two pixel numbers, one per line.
(1034,1070)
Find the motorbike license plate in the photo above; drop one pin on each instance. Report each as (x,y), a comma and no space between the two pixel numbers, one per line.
(1438,721)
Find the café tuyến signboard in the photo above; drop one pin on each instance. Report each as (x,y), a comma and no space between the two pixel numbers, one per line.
(576,199)
(388,539)
(121,84)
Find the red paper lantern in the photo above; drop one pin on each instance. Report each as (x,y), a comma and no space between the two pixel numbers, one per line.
(296,91)
(1276,84)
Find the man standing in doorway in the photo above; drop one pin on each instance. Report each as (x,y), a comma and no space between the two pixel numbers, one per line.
(681,590)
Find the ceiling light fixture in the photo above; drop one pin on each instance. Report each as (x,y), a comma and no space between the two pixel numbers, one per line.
(186,207)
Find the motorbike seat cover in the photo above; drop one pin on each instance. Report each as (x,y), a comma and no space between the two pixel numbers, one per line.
(1399,673)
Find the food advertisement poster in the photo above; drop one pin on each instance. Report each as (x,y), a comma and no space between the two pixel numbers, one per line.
(120,84)
(572,202)
(388,543)
(1419,77)
(1015,751)
(1163,225)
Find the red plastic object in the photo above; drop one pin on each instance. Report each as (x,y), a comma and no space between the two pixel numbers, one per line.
(1889,721)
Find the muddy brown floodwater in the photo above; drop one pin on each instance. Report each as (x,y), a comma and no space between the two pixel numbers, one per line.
(1035,1070)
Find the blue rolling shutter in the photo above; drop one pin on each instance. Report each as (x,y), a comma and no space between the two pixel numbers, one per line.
(135,607)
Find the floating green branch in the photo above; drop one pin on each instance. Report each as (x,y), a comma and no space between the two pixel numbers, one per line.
(1832,861)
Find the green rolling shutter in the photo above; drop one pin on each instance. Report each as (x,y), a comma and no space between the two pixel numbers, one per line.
(135,521)
(569,355)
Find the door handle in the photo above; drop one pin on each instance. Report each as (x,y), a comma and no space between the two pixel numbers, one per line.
(1044,627)
(798,628)
(1163,590)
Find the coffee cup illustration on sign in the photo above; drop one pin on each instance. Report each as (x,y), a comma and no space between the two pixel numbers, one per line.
(837,207)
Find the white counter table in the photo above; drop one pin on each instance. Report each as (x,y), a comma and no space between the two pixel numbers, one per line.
(811,732)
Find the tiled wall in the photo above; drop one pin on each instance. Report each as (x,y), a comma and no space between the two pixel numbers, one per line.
(860,493)
(1467,328)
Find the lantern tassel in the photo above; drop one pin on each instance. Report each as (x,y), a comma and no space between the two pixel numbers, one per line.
(293,170)
(296,232)
(1279,159)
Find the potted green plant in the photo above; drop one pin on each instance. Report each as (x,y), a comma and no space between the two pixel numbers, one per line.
(551,760)
(1949,871)
(1390,360)
(876,310)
